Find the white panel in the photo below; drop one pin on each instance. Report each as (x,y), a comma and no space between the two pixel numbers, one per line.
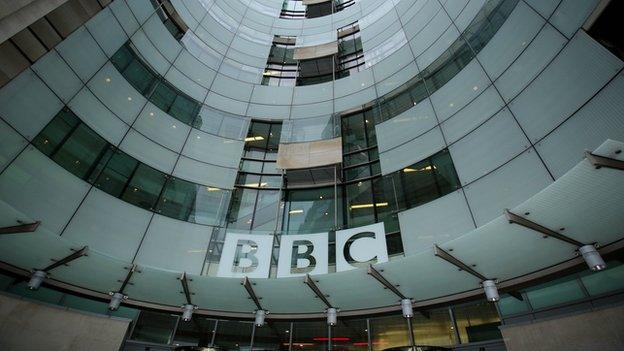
(287,267)
(570,15)
(406,126)
(462,88)
(98,117)
(163,246)
(353,100)
(185,84)
(528,65)
(544,7)
(149,52)
(57,75)
(107,31)
(11,143)
(272,95)
(489,146)
(206,174)
(402,76)
(351,84)
(435,222)
(203,147)
(246,255)
(223,103)
(116,93)
(36,186)
(577,73)
(470,117)
(369,248)
(27,104)
(602,118)
(124,16)
(191,67)
(510,40)
(161,38)
(411,152)
(507,187)
(437,48)
(161,128)
(148,151)
(82,53)
(312,93)
(108,225)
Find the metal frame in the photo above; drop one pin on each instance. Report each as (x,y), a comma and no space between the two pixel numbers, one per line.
(309,281)
(601,161)
(126,281)
(380,278)
(514,218)
(185,287)
(247,284)
(65,260)
(21,228)
(454,261)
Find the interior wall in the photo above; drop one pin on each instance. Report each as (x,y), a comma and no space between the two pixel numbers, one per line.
(27,325)
(595,330)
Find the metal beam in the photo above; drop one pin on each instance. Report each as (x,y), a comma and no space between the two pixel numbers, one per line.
(516,295)
(514,218)
(312,285)
(380,278)
(601,161)
(454,261)
(252,294)
(185,287)
(126,281)
(77,254)
(22,228)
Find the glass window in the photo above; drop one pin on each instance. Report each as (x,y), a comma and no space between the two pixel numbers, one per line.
(555,292)
(80,151)
(477,322)
(388,332)
(144,187)
(154,327)
(272,336)
(610,279)
(163,96)
(116,173)
(509,305)
(309,211)
(350,334)
(198,331)
(311,335)
(434,330)
(233,335)
(55,133)
(184,109)
(360,208)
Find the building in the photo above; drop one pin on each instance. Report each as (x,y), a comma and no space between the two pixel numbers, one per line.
(304,174)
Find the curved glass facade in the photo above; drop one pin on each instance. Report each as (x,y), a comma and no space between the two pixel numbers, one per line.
(381,146)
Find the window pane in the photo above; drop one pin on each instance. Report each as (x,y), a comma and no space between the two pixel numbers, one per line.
(233,335)
(310,335)
(184,109)
(555,292)
(154,327)
(144,187)
(139,76)
(309,211)
(54,134)
(163,96)
(435,330)
(116,174)
(445,172)
(360,209)
(388,332)
(197,332)
(80,152)
(477,322)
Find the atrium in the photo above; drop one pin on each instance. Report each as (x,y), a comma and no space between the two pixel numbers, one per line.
(311,175)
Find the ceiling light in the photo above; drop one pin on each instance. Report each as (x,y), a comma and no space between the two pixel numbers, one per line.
(187,311)
(491,292)
(254,138)
(427,168)
(152,114)
(209,188)
(108,80)
(298,211)
(406,307)
(115,301)
(129,98)
(260,314)
(379,204)
(256,185)
(475,88)
(332,316)
(592,258)
(36,279)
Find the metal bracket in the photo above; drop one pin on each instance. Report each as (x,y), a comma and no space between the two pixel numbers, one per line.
(185,286)
(454,261)
(514,218)
(601,161)
(312,285)
(380,278)
(252,294)
(128,276)
(21,228)
(77,254)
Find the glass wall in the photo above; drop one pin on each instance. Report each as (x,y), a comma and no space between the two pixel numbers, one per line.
(78,149)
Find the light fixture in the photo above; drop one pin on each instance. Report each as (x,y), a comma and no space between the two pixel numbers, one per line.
(298,211)
(260,314)
(36,279)
(115,301)
(129,98)
(426,168)
(592,257)
(378,204)
(187,311)
(332,316)
(209,188)
(254,138)
(406,307)
(108,80)
(491,292)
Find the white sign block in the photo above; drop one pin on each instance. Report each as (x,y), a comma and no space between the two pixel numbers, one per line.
(368,244)
(303,254)
(246,255)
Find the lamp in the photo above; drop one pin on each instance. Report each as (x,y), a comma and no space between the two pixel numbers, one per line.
(592,257)
(36,279)
(491,292)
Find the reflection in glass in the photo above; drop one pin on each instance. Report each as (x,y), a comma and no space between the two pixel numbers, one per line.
(154,327)
(477,322)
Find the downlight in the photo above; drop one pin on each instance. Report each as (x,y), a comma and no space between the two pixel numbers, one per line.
(491,292)
(592,257)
